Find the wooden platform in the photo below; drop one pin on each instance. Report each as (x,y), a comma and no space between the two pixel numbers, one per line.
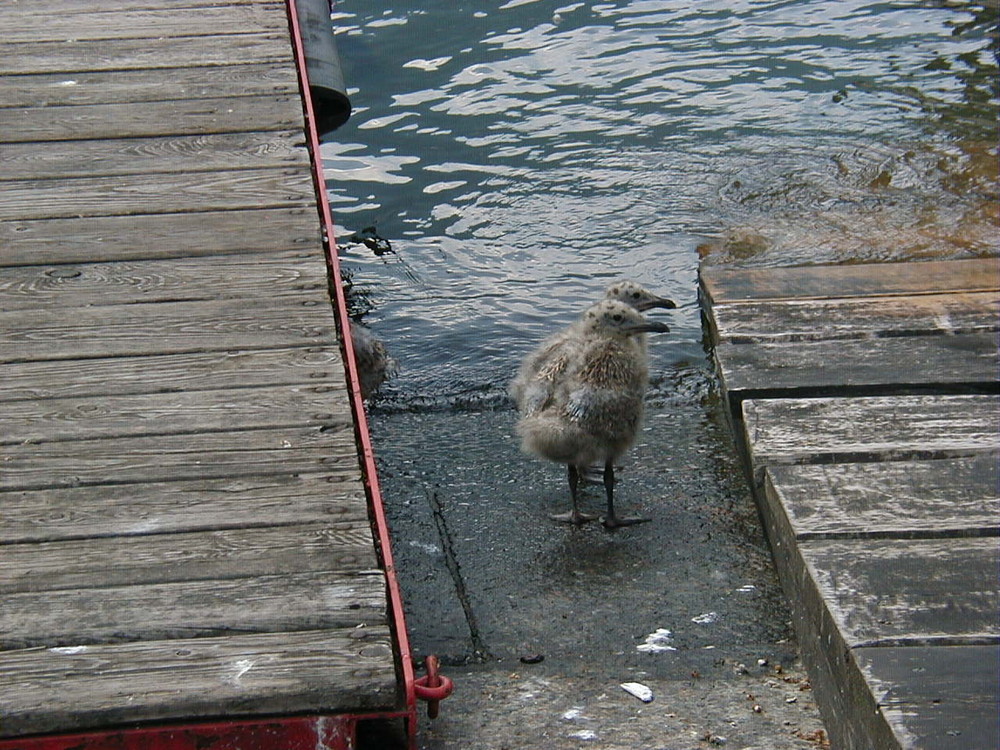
(184,530)
(864,398)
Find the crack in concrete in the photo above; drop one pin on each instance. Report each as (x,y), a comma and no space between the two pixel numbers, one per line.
(479,650)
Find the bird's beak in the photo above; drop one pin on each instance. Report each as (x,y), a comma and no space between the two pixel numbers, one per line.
(667,304)
(650,326)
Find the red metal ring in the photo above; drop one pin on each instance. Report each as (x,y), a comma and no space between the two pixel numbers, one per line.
(427,692)
(432,688)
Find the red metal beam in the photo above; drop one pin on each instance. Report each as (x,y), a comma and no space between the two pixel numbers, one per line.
(377,508)
(296,733)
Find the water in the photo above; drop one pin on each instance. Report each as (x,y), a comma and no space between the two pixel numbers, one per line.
(519,155)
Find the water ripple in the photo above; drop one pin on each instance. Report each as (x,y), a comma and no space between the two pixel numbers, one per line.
(521,154)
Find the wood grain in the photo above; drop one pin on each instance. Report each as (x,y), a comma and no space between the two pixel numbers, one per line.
(824,430)
(83,687)
(723,284)
(183,412)
(36,25)
(112,510)
(171,373)
(909,591)
(286,603)
(834,319)
(282,274)
(39,90)
(168,118)
(187,556)
(163,193)
(948,497)
(166,327)
(68,56)
(165,458)
(937,696)
(800,368)
(170,235)
(110,156)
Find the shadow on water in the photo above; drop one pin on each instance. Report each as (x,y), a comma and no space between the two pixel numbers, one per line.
(518,155)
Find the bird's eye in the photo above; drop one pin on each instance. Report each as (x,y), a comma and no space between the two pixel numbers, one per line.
(636,295)
(617,317)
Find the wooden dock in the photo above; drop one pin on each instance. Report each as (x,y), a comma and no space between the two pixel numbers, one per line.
(864,399)
(185,529)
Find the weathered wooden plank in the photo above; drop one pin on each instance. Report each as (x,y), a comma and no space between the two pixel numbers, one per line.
(281,274)
(166,118)
(111,156)
(852,714)
(344,546)
(948,497)
(767,370)
(80,687)
(69,56)
(876,428)
(162,507)
(833,319)
(165,327)
(938,697)
(210,455)
(33,24)
(908,591)
(162,193)
(77,378)
(193,609)
(172,235)
(83,6)
(724,284)
(123,86)
(183,412)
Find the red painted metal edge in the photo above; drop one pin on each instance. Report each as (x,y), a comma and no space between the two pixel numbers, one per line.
(357,404)
(288,733)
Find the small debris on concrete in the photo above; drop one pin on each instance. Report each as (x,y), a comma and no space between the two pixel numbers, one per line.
(533,659)
(657,641)
(637,689)
(584,734)
(706,619)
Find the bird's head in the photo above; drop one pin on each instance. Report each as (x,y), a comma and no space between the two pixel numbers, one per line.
(634,295)
(612,318)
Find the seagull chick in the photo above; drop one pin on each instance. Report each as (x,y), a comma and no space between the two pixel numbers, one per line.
(594,409)
(539,373)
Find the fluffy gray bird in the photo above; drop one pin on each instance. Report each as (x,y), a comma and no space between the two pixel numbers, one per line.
(594,409)
(375,365)
(541,371)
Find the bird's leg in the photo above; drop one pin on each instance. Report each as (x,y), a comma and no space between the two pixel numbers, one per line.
(612,521)
(594,474)
(574,516)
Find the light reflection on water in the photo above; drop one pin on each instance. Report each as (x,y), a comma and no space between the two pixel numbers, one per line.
(520,155)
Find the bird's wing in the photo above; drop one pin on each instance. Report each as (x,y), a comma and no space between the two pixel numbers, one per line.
(534,387)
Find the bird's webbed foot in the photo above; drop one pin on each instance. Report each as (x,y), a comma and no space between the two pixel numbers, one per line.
(617,522)
(574,517)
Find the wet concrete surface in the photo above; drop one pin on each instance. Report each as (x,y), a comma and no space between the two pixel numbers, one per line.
(490,583)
